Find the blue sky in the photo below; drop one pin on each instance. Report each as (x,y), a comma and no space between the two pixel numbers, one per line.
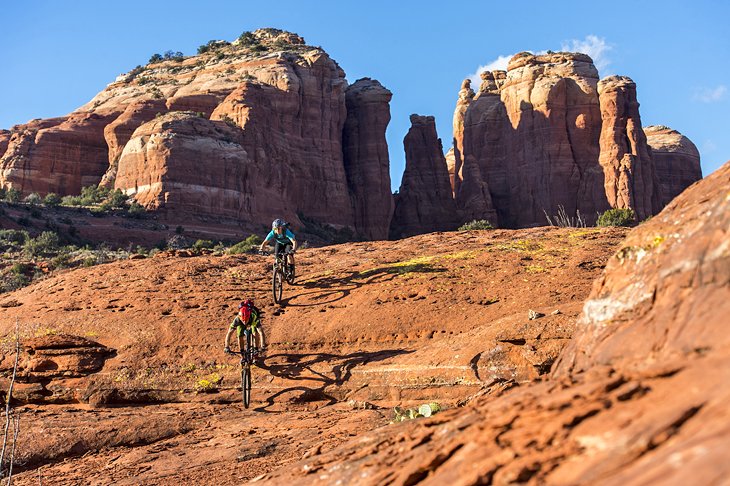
(58,55)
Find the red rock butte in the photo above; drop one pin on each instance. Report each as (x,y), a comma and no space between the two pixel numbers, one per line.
(267,126)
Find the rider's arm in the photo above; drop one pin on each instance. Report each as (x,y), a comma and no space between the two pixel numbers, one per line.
(293,239)
(266,240)
(227,343)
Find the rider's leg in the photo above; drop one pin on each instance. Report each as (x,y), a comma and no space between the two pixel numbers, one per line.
(262,339)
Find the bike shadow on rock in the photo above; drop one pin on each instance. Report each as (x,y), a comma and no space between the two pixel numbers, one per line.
(299,367)
(331,288)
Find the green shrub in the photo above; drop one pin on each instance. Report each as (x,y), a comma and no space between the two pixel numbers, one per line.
(62,260)
(71,201)
(44,244)
(117,199)
(477,224)
(617,217)
(13,237)
(12,195)
(52,200)
(246,245)
(203,244)
(35,212)
(91,195)
(155,58)
(20,268)
(247,39)
(135,210)
(33,198)
(179,230)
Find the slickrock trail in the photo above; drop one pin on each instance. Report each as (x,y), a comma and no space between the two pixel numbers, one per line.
(115,355)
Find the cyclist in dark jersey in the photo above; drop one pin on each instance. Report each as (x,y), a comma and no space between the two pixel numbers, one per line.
(284,240)
(248,316)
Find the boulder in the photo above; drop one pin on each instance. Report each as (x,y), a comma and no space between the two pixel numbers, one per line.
(366,157)
(676,161)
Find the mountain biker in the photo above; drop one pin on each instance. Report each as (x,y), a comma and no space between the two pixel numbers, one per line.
(248,316)
(284,240)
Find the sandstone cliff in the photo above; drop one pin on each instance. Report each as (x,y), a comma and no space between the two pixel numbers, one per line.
(285,104)
(466,95)
(547,134)
(629,176)
(366,157)
(424,202)
(676,161)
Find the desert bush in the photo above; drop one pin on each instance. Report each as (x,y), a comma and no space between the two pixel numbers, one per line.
(477,224)
(247,39)
(178,242)
(179,230)
(155,58)
(135,210)
(35,212)
(245,246)
(13,237)
(617,217)
(93,194)
(52,200)
(117,199)
(71,201)
(12,195)
(44,244)
(33,198)
(203,244)
(563,220)
(173,56)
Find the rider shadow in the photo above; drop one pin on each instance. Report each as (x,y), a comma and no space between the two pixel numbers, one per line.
(298,367)
(329,289)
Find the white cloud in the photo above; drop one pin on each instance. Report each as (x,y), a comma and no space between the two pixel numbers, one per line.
(710,95)
(594,46)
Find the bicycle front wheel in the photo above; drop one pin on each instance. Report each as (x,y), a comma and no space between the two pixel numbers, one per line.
(246,385)
(277,285)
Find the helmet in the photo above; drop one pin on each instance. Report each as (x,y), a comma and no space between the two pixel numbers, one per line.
(277,223)
(246,303)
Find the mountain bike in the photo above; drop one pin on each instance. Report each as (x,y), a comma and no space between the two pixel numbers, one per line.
(281,271)
(247,359)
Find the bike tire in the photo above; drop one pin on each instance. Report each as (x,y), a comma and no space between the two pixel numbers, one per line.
(290,273)
(246,385)
(277,285)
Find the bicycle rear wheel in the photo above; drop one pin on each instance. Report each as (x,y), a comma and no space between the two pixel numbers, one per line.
(277,285)
(246,384)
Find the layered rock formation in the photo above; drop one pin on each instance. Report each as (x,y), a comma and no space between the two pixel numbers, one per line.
(286,103)
(58,155)
(676,161)
(424,202)
(545,135)
(366,157)
(629,177)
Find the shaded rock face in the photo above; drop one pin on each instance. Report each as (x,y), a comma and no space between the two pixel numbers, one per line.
(285,99)
(546,134)
(638,397)
(629,176)
(534,137)
(366,157)
(676,161)
(59,155)
(424,202)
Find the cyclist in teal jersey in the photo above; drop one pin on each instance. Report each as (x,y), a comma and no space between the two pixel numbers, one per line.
(284,240)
